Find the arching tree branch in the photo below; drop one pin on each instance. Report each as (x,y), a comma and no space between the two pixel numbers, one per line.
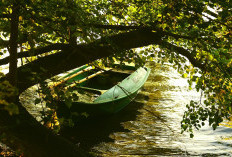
(148,28)
(38,51)
(184,52)
(118,27)
(81,54)
(72,57)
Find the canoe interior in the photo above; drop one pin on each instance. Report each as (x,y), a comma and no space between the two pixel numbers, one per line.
(116,95)
(89,90)
(102,81)
(105,80)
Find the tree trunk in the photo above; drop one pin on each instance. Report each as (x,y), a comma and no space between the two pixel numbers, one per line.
(23,133)
(14,22)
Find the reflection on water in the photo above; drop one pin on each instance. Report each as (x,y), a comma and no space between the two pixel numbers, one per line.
(150,126)
(154,130)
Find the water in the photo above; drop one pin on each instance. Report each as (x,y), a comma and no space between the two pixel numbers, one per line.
(150,126)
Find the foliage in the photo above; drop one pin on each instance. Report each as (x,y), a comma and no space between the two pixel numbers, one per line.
(50,97)
(7,92)
(195,36)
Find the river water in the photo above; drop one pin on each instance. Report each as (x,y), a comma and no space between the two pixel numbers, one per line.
(150,126)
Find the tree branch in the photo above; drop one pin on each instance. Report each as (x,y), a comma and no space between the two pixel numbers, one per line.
(184,52)
(51,65)
(46,21)
(67,59)
(148,28)
(119,27)
(38,51)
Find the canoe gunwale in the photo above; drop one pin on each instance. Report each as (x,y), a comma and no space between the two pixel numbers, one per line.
(110,104)
(122,97)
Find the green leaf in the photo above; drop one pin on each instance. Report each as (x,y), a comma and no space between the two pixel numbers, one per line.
(191,135)
(185,75)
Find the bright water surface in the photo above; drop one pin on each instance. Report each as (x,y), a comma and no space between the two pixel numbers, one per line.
(150,126)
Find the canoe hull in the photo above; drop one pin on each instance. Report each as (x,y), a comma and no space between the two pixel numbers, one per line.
(113,100)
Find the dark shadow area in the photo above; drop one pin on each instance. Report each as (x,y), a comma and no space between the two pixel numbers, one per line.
(94,130)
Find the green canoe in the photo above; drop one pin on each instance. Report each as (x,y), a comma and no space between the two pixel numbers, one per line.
(113,89)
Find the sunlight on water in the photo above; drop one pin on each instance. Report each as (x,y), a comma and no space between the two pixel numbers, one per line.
(156,130)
